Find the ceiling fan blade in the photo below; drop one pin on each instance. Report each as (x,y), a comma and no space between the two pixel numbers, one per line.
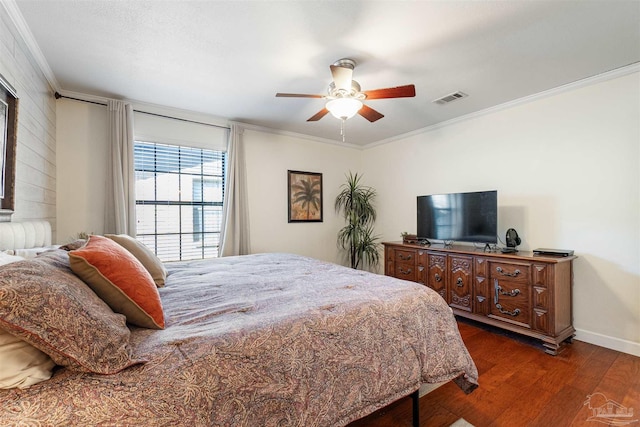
(342,77)
(320,114)
(370,114)
(406,91)
(298,95)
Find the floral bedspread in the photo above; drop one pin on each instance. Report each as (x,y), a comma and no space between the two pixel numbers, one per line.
(263,340)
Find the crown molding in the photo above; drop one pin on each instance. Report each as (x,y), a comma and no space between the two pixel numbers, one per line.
(178,113)
(84,96)
(146,107)
(588,81)
(273,131)
(27,36)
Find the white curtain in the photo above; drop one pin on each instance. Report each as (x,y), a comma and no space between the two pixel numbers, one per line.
(120,203)
(234,234)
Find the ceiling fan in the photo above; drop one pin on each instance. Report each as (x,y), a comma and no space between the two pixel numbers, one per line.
(345,96)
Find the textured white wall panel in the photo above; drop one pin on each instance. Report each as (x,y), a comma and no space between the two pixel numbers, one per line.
(35,185)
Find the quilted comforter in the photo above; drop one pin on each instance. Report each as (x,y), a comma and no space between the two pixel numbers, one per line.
(263,340)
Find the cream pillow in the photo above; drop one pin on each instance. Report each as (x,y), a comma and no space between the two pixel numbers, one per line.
(21,364)
(146,257)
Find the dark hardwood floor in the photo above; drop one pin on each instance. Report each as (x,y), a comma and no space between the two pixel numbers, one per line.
(520,385)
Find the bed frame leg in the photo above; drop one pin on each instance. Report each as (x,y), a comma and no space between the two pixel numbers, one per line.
(415,398)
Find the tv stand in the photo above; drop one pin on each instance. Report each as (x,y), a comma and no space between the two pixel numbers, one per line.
(520,292)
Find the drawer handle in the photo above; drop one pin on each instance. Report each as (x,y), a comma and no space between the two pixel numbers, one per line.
(405,271)
(405,258)
(438,278)
(512,293)
(505,273)
(459,282)
(513,313)
(496,299)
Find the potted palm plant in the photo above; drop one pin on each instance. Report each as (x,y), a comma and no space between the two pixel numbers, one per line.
(355,202)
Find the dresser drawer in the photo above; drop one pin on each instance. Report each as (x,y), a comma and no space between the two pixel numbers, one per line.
(406,271)
(405,256)
(513,272)
(510,300)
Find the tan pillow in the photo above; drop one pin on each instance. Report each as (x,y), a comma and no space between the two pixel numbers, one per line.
(120,280)
(21,364)
(147,258)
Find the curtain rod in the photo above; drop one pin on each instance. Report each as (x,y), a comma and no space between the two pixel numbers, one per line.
(57,95)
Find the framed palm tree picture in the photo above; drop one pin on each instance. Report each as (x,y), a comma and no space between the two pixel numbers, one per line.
(305,196)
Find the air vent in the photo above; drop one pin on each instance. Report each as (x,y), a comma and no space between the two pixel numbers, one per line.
(451,97)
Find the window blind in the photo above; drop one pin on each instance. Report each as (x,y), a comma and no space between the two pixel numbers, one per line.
(179,194)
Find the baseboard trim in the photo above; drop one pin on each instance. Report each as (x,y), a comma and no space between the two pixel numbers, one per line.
(612,343)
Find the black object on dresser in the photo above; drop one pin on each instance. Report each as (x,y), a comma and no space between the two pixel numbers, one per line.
(553,252)
(522,292)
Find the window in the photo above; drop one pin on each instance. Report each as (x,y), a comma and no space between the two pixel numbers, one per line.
(179,193)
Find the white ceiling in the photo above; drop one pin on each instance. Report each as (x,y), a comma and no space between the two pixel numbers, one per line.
(228,58)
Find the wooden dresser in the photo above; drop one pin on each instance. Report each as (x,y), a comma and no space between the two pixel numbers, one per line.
(520,292)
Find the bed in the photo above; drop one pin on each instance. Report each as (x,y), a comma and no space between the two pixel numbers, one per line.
(257,340)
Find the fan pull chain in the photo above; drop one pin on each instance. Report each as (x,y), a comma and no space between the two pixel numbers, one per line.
(342,129)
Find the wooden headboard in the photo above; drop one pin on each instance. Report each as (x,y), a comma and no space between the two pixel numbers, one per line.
(25,235)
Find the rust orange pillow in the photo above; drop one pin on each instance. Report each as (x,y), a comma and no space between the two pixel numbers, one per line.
(120,280)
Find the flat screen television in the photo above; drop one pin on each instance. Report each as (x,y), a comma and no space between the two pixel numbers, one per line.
(462,217)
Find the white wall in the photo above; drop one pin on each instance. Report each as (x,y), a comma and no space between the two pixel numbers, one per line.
(567,171)
(82,168)
(268,157)
(82,153)
(35,184)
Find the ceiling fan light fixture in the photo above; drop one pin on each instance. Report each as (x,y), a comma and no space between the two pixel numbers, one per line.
(344,108)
